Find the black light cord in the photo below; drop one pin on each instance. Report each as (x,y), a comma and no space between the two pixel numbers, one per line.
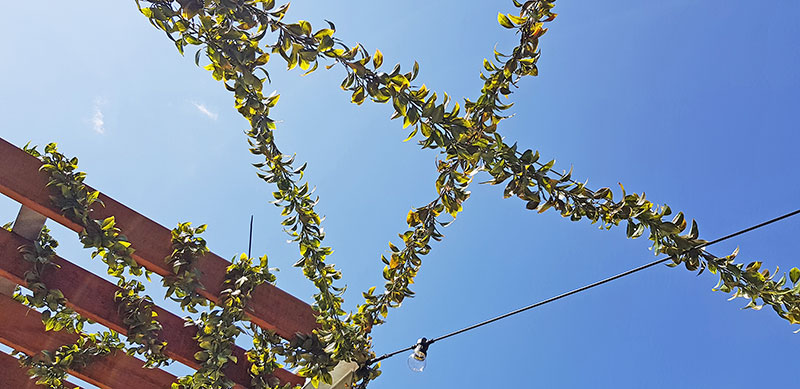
(581,289)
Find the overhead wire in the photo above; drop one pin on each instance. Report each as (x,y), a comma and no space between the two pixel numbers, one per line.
(583,288)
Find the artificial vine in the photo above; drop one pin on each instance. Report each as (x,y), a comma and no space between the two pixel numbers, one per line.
(56,316)
(471,143)
(219,327)
(230,33)
(263,357)
(75,202)
(50,367)
(462,138)
(184,285)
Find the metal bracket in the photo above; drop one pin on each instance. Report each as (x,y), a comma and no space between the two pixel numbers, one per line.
(342,376)
(28,225)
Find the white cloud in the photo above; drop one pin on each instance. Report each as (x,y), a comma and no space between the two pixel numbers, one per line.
(98,121)
(202,108)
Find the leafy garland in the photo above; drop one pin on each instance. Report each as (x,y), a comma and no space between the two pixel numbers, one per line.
(51,367)
(471,143)
(56,315)
(263,357)
(187,249)
(235,54)
(218,328)
(464,140)
(231,34)
(232,45)
(231,31)
(75,202)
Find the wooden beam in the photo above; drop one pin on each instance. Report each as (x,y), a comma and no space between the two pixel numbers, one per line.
(270,306)
(22,329)
(93,298)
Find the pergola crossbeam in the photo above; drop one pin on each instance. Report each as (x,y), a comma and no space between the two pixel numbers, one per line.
(93,298)
(22,329)
(270,307)
(15,376)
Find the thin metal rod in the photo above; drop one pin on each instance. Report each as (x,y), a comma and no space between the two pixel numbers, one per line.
(586,287)
(250,242)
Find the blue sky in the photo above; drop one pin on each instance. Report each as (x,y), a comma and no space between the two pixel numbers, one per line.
(694,103)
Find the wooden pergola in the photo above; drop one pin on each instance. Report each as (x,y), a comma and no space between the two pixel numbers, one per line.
(93,297)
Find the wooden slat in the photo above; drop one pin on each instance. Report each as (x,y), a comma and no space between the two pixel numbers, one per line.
(13,375)
(93,297)
(270,307)
(23,330)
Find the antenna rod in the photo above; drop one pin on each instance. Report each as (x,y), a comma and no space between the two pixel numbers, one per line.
(250,243)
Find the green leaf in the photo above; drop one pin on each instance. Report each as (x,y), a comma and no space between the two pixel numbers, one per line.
(669,228)
(794,275)
(533,204)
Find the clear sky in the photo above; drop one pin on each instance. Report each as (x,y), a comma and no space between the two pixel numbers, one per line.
(694,103)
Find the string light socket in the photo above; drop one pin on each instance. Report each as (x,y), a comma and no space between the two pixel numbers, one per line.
(416,361)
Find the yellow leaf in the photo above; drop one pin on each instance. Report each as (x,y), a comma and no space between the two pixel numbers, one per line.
(504,20)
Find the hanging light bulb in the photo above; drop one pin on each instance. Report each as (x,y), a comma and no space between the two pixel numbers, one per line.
(416,361)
